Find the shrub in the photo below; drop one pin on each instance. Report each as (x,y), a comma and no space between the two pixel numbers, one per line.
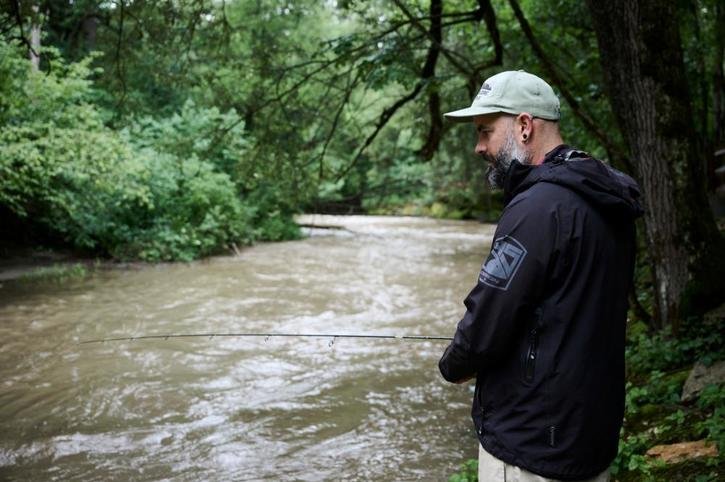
(103,190)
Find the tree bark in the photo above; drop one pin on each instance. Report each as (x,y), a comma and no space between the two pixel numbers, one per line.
(34,50)
(642,58)
(435,131)
(719,78)
(90,30)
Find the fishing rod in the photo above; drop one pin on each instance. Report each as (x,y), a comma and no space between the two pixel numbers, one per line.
(267,336)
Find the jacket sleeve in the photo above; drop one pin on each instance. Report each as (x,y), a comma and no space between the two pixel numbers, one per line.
(510,285)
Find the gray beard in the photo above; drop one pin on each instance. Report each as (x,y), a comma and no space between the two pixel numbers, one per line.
(499,164)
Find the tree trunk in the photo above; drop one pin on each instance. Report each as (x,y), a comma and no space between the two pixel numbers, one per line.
(90,30)
(435,131)
(719,78)
(642,58)
(34,51)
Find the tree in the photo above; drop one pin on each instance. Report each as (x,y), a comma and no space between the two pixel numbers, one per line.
(642,57)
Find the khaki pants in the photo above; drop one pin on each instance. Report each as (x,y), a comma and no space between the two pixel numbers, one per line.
(491,469)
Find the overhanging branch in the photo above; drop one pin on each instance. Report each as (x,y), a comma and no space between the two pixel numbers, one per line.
(382,121)
(614,152)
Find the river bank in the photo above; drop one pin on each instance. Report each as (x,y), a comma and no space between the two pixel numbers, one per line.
(38,262)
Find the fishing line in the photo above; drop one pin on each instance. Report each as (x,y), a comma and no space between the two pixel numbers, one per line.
(267,336)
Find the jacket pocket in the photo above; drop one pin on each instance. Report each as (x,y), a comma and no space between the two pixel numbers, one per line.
(531,354)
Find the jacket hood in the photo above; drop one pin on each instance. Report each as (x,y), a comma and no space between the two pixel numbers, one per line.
(610,191)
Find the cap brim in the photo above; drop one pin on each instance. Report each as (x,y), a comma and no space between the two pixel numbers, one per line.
(465,115)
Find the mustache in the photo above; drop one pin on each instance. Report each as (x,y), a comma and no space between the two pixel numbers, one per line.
(491,161)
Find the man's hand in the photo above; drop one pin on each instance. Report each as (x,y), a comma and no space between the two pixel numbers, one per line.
(455,365)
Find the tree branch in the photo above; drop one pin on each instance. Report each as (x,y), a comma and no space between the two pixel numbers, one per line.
(16,12)
(336,120)
(119,66)
(382,121)
(614,152)
(434,103)
(489,17)
(436,42)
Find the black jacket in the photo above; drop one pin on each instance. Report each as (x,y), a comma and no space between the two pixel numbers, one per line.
(544,328)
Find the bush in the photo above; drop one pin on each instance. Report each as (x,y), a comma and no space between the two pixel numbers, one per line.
(658,366)
(194,134)
(187,216)
(105,191)
(663,351)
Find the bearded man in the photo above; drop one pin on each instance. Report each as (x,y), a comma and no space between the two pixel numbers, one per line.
(544,328)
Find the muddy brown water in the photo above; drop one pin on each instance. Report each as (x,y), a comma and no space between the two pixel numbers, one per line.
(246,408)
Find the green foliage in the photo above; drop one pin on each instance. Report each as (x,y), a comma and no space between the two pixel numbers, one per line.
(630,456)
(194,134)
(193,211)
(141,196)
(712,401)
(662,351)
(468,472)
(658,366)
(276,227)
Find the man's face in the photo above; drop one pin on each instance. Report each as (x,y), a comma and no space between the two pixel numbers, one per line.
(497,145)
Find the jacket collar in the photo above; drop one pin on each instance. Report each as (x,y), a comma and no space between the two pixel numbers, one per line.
(520,176)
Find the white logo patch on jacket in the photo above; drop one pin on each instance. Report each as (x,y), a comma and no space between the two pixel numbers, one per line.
(503,262)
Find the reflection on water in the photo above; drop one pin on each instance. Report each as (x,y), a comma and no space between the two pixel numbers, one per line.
(246,408)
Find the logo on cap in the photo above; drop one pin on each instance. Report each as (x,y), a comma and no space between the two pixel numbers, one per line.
(485,90)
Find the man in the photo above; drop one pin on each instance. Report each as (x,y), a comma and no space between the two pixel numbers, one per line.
(544,329)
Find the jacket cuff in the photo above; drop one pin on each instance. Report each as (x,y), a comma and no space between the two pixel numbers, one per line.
(455,365)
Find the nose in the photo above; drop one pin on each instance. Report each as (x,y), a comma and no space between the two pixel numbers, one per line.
(481,147)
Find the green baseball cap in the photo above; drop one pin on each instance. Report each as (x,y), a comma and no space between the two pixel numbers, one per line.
(512,92)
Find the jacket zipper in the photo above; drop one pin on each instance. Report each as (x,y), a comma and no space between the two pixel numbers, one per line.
(552,435)
(531,355)
(481,408)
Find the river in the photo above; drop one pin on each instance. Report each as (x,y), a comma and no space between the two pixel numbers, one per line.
(246,408)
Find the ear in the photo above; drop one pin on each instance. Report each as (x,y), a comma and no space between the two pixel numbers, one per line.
(524,124)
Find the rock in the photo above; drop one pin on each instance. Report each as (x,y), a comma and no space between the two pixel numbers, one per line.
(679,452)
(700,377)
